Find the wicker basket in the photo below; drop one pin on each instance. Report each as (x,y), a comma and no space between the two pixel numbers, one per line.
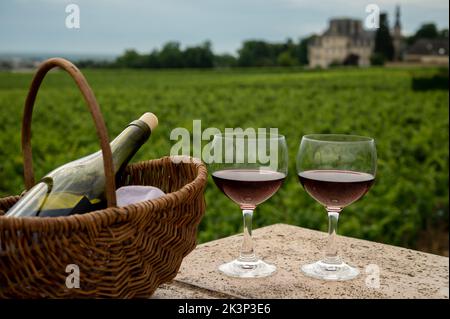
(120,252)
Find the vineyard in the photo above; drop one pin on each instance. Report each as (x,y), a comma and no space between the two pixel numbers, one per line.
(401,108)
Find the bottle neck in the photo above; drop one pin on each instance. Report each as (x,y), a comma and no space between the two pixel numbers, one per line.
(128,142)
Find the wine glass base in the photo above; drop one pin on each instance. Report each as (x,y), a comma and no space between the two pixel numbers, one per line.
(332,272)
(247,269)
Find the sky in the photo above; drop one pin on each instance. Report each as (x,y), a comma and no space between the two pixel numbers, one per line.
(111,26)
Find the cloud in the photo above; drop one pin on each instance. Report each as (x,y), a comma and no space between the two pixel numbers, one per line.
(356,4)
(113,25)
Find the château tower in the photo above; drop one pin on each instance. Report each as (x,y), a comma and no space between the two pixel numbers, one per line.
(397,36)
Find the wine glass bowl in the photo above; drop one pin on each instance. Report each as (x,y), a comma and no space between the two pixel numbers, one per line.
(248,188)
(336,170)
(248,169)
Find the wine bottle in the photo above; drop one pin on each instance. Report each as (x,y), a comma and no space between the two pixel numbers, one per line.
(79,187)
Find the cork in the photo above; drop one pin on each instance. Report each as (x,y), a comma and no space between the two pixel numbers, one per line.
(150,119)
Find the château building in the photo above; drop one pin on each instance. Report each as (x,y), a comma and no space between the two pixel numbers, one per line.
(428,51)
(344,42)
(347,42)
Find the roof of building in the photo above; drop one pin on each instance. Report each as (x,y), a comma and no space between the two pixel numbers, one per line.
(349,28)
(429,47)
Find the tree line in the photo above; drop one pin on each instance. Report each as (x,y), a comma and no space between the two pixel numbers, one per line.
(253,53)
(384,46)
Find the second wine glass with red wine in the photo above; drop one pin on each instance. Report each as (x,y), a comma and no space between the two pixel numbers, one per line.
(336,170)
(248,169)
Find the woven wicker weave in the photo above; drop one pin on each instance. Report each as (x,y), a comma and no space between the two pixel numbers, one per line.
(121,252)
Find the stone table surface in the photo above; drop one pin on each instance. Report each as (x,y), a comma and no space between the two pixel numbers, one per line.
(403,273)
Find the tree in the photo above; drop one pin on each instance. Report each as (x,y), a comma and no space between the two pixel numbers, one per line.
(427,31)
(255,53)
(377,59)
(171,56)
(383,40)
(286,59)
(199,56)
(289,47)
(153,60)
(302,50)
(224,61)
(131,59)
(260,53)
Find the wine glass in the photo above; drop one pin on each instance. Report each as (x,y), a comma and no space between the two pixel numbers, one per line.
(248,169)
(336,170)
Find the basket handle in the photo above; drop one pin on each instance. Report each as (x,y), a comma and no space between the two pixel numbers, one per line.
(80,80)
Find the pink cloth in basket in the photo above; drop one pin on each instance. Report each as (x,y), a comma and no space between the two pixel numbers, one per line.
(127,195)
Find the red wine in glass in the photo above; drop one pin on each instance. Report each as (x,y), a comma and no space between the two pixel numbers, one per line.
(248,187)
(248,176)
(336,188)
(323,163)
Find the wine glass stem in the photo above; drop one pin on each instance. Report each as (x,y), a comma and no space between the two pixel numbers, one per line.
(331,251)
(247,251)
